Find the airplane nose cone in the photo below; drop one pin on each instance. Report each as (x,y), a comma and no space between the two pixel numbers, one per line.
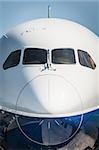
(49,95)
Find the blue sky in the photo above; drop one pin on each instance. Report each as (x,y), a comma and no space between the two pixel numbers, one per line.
(14,12)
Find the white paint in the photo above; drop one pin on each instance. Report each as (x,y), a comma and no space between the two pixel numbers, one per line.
(70,90)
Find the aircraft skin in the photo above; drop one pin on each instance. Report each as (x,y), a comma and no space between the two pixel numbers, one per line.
(49,90)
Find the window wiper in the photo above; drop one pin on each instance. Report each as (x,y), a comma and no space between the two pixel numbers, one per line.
(48,64)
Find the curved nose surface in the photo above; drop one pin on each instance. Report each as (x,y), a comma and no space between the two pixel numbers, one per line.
(49,95)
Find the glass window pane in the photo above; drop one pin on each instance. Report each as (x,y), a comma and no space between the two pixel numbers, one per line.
(35,56)
(63,56)
(85,59)
(12,60)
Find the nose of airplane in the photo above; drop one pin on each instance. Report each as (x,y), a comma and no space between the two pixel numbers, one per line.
(49,95)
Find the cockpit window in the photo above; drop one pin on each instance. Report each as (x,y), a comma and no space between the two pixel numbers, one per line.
(35,56)
(63,56)
(12,60)
(85,59)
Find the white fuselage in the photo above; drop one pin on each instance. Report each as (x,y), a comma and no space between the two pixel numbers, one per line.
(56,90)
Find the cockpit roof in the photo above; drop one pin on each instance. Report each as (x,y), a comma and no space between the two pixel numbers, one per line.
(51,33)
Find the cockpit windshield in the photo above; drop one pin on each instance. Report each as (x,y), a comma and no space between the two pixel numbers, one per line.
(35,56)
(63,56)
(39,56)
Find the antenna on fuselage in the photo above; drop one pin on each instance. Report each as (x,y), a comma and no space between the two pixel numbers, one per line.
(49,11)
